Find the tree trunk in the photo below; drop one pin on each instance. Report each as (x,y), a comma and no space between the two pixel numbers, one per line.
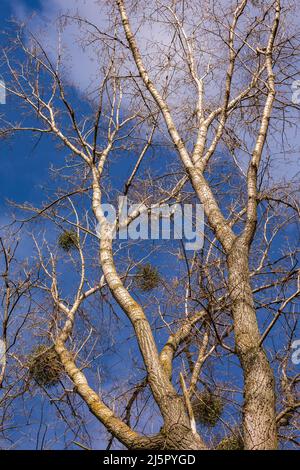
(177,431)
(259,418)
(177,437)
(182,438)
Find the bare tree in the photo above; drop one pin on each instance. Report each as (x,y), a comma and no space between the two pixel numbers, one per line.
(209,98)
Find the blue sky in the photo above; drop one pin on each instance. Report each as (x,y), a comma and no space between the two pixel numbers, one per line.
(31,155)
(25,159)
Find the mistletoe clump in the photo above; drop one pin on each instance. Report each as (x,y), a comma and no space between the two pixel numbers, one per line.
(207,408)
(68,240)
(232,442)
(148,277)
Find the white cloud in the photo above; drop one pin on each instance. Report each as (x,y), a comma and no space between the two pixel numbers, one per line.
(82,62)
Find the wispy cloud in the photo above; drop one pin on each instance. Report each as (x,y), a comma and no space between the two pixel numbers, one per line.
(80,62)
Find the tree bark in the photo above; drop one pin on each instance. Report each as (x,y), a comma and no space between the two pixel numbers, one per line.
(259,418)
